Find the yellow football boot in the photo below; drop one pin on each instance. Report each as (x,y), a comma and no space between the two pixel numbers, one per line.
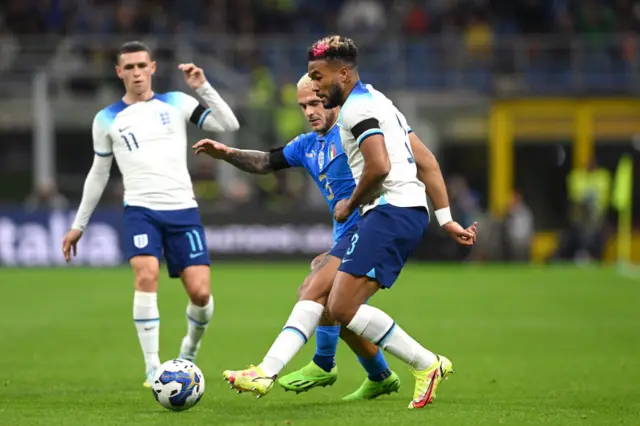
(252,379)
(427,381)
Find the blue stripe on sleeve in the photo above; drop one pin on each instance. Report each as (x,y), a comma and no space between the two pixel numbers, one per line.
(368,133)
(203,116)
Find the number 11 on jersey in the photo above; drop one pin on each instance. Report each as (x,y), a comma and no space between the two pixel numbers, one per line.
(129,139)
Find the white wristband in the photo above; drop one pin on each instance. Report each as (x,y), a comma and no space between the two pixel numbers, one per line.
(444,216)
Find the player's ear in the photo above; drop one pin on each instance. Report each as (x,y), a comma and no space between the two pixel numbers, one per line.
(119,72)
(153,67)
(343,75)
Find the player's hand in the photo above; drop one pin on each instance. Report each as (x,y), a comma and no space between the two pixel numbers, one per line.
(465,237)
(193,75)
(212,149)
(69,243)
(342,211)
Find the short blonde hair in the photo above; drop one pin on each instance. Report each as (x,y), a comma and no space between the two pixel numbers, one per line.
(304,81)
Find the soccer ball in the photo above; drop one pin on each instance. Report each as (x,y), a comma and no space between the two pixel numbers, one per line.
(178,385)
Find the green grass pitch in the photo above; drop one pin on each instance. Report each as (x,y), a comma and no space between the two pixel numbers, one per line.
(530,346)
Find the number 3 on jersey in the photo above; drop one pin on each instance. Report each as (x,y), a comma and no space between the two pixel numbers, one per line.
(323,178)
(130,140)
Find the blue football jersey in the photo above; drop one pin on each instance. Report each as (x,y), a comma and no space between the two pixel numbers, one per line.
(325,160)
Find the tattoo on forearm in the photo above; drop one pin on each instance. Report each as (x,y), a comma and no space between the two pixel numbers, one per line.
(250,161)
(319,265)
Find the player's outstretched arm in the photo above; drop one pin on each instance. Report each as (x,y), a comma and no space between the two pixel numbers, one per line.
(218,117)
(250,161)
(430,174)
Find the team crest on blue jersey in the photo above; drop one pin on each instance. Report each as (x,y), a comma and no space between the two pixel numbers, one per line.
(321,159)
(141,241)
(333,151)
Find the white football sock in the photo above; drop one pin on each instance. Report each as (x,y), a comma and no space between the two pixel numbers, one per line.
(147,320)
(299,328)
(198,318)
(378,327)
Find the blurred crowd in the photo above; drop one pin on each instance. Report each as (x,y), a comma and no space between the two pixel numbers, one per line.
(474,37)
(478,18)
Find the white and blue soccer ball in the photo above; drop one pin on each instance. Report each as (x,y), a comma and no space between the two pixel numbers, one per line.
(178,384)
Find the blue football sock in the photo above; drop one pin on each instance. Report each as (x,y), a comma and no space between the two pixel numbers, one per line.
(376,367)
(326,344)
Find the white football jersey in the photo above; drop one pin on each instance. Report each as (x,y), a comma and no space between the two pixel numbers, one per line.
(149,142)
(368,109)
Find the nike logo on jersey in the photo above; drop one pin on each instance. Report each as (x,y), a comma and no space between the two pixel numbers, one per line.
(124,128)
(194,255)
(346,260)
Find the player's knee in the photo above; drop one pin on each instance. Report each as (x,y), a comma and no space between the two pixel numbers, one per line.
(340,310)
(201,295)
(199,290)
(146,279)
(196,280)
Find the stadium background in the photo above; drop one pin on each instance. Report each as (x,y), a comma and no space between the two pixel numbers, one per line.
(516,98)
(511,96)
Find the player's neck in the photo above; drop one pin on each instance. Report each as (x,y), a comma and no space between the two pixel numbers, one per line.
(355,78)
(328,129)
(132,98)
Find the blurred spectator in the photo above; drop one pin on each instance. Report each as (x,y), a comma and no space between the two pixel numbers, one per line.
(46,197)
(261,100)
(518,230)
(290,121)
(278,15)
(203,177)
(8,47)
(588,192)
(479,35)
(363,17)
(465,206)
(564,26)
(417,19)
(595,21)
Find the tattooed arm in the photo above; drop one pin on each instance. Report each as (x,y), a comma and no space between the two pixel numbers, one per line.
(250,161)
(256,162)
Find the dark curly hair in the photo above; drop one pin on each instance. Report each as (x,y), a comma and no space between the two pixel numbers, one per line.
(334,47)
